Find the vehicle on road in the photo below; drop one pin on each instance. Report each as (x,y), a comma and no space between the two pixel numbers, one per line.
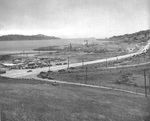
(58,63)
(55,84)
(65,63)
(50,77)
(2,71)
(49,71)
(71,68)
(29,71)
(62,70)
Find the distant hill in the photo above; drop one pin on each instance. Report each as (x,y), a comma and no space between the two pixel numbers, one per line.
(26,37)
(141,36)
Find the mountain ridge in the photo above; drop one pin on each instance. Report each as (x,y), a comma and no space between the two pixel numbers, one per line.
(141,36)
(13,37)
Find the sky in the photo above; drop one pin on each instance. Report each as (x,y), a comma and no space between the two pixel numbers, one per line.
(74,18)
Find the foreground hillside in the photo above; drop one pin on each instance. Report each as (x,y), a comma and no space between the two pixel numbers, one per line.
(26,37)
(32,100)
(141,36)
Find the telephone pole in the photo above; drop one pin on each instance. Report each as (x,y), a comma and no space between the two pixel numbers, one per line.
(0,112)
(106,63)
(149,82)
(82,64)
(145,83)
(68,62)
(117,62)
(49,65)
(86,75)
(70,47)
(23,54)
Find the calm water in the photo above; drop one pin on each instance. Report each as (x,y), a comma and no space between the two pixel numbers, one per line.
(7,47)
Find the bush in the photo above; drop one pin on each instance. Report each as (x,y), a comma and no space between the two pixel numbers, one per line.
(45,75)
(42,75)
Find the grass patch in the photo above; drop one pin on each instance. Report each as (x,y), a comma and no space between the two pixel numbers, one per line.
(124,78)
(44,102)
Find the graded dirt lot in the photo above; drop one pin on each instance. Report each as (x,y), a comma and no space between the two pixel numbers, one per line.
(33,100)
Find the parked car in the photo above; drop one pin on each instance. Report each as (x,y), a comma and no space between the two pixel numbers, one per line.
(71,68)
(2,71)
(58,63)
(62,70)
(55,84)
(50,77)
(29,71)
(43,75)
(49,71)
(64,63)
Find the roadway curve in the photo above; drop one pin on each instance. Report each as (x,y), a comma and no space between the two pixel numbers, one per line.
(24,73)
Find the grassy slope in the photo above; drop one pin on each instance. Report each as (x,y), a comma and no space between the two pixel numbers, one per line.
(97,76)
(138,37)
(32,100)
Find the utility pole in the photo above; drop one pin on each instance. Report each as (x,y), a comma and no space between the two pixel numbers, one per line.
(68,62)
(86,75)
(130,57)
(149,82)
(82,64)
(23,54)
(145,83)
(105,46)
(20,54)
(117,62)
(49,65)
(70,47)
(0,112)
(106,63)
(87,43)
(145,57)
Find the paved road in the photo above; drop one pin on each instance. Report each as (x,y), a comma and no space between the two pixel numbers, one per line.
(22,73)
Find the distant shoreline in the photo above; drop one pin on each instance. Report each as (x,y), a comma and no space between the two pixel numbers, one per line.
(26,40)
(26,37)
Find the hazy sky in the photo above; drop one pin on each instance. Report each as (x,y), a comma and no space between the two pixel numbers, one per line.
(74,18)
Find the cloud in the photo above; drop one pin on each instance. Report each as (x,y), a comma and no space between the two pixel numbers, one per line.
(75,17)
(1,26)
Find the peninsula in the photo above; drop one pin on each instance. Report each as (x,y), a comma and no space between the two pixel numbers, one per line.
(13,37)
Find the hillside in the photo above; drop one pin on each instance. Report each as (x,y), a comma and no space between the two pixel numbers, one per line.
(141,36)
(35,100)
(26,37)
